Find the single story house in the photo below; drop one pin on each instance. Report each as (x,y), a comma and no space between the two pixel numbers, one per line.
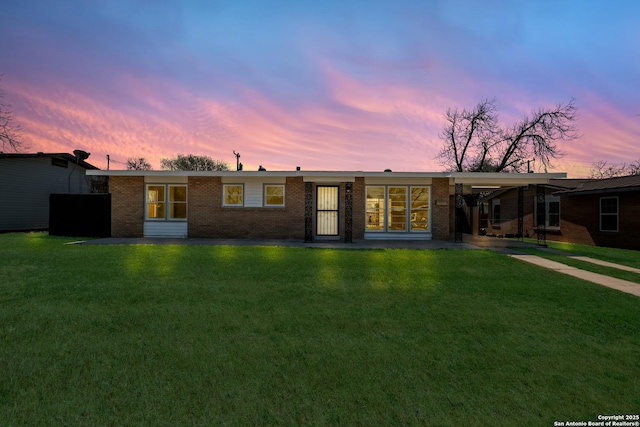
(27,181)
(303,205)
(604,212)
(601,212)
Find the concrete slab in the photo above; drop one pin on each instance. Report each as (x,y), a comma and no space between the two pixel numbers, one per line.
(605,263)
(610,282)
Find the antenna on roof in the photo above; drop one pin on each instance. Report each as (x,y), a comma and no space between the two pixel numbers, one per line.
(238,164)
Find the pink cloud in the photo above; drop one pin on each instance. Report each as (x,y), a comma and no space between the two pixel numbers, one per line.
(360,124)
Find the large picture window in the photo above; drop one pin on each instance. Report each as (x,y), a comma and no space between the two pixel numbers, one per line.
(419,208)
(166,202)
(397,209)
(608,214)
(375,208)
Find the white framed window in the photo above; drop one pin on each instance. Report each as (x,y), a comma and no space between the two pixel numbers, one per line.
(397,208)
(551,212)
(177,202)
(375,208)
(233,195)
(274,195)
(419,208)
(166,202)
(609,212)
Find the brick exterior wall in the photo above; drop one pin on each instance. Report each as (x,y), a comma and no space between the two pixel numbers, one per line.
(580,221)
(208,218)
(441,206)
(359,207)
(127,206)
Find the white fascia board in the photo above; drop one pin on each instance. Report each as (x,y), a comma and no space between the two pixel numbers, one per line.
(243,174)
(488,179)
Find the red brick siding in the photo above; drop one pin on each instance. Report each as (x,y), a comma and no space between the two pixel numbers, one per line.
(359,207)
(580,221)
(127,206)
(440,217)
(208,218)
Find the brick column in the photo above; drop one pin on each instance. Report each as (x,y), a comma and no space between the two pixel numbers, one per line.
(127,206)
(440,206)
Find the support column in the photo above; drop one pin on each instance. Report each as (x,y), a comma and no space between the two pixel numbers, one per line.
(348,212)
(458,214)
(541,215)
(520,213)
(308,212)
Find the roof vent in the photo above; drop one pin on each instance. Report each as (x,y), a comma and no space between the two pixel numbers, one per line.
(388,170)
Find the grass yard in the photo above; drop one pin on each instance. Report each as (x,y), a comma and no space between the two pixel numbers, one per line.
(219,335)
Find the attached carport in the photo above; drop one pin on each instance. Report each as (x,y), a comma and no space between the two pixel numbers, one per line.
(470,183)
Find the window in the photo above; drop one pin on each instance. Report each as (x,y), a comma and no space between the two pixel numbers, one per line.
(397,209)
(375,209)
(495,212)
(419,208)
(59,162)
(155,202)
(158,208)
(177,202)
(608,214)
(233,195)
(273,195)
(552,212)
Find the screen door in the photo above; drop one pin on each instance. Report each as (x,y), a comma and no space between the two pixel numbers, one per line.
(327,211)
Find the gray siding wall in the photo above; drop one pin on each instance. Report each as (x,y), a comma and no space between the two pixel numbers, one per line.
(25,186)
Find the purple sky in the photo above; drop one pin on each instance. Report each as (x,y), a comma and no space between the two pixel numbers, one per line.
(331,85)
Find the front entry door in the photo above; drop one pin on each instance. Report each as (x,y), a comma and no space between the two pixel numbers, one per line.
(327,210)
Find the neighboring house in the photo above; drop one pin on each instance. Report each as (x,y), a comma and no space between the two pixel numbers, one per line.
(293,205)
(498,211)
(27,181)
(603,212)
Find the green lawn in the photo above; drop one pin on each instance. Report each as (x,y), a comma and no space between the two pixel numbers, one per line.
(205,335)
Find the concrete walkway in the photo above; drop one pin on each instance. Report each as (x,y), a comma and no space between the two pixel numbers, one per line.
(610,282)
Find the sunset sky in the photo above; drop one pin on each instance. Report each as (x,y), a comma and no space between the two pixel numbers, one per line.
(325,85)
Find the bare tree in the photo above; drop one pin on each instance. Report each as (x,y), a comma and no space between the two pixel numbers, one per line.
(602,169)
(9,131)
(469,136)
(138,164)
(474,141)
(190,162)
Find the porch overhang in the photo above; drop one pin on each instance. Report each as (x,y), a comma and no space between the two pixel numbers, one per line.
(483,181)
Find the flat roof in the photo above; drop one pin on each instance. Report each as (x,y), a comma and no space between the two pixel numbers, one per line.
(476,179)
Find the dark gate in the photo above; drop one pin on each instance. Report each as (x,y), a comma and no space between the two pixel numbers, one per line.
(80,215)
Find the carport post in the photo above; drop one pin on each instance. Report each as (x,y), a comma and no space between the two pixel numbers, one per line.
(458,216)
